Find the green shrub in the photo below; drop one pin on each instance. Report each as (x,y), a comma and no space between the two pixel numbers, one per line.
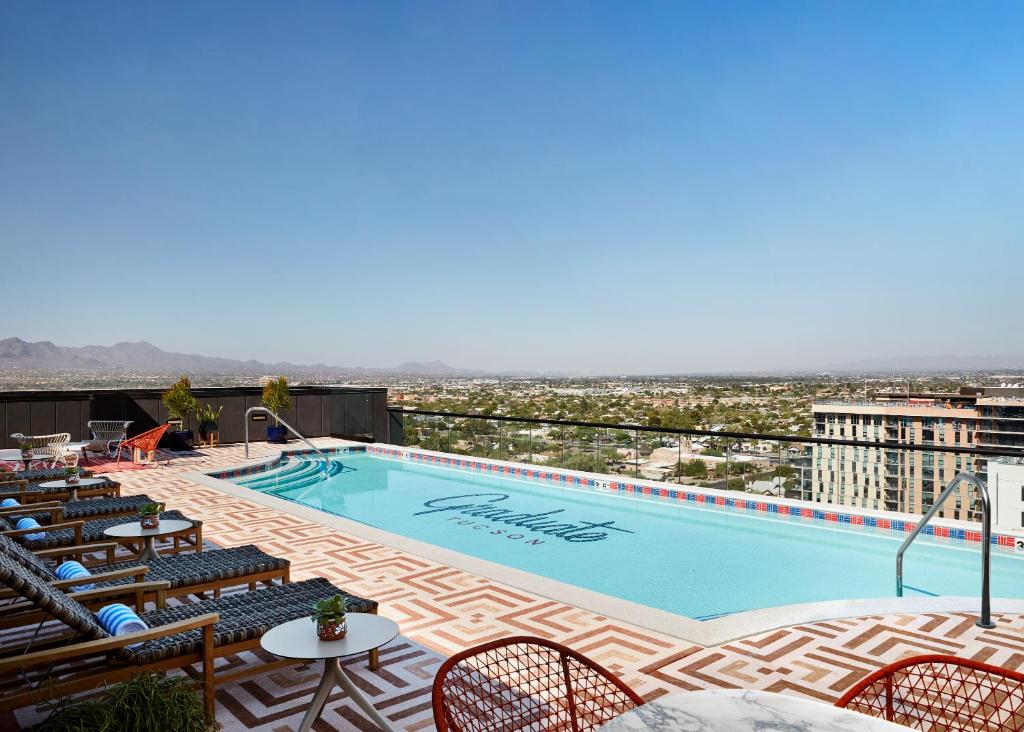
(179,401)
(275,395)
(146,702)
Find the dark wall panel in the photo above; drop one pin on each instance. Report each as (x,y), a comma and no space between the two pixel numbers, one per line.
(19,419)
(309,418)
(231,418)
(144,414)
(69,419)
(44,418)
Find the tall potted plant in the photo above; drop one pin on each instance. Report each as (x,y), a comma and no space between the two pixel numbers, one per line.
(180,404)
(208,421)
(276,399)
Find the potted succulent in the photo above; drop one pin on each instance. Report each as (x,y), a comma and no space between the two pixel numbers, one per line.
(180,403)
(71,476)
(329,616)
(149,515)
(26,451)
(276,399)
(208,419)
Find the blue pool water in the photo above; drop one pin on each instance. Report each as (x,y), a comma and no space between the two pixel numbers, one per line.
(698,562)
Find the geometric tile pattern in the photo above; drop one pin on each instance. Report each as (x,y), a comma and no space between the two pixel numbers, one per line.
(441,610)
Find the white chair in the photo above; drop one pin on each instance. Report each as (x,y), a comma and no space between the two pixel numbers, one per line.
(107,435)
(52,447)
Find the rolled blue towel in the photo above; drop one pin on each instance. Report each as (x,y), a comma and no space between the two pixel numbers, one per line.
(74,570)
(118,619)
(30,523)
(9,503)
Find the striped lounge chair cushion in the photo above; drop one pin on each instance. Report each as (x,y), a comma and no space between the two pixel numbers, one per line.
(95,508)
(92,531)
(242,617)
(195,568)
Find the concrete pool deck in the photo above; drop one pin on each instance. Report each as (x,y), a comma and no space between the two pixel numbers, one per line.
(442,608)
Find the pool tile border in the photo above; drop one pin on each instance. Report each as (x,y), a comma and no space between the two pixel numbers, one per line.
(651,490)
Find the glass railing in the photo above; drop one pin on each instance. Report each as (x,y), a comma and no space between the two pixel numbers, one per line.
(791,466)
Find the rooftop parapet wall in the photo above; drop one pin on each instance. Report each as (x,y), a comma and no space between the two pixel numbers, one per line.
(317,411)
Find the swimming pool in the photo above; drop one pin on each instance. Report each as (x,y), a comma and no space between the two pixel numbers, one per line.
(693,560)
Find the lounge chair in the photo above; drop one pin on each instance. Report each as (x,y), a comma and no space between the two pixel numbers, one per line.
(29,489)
(186,574)
(54,512)
(941,692)
(525,683)
(107,435)
(46,447)
(144,444)
(81,533)
(178,636)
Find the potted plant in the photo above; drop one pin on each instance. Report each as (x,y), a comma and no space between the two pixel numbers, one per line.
(180,403)
(26,451)
(329,616)
(149,515)
(208,419)
(71,476)
(276,399)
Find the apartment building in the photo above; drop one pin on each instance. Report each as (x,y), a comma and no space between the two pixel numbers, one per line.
(898,480)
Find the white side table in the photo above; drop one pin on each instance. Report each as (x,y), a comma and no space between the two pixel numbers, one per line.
(134,530)
(297,639)
(72,488)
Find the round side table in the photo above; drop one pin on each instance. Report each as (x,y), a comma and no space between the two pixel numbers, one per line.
(72,488)
(297,639)
(134,530)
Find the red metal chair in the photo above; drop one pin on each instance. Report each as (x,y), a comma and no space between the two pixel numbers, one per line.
(939,692)
(521,683)
(144,443)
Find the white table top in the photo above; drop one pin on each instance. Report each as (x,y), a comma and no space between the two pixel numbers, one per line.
(297,639)
(729,710)
(82,483)
(11,454)
(134,530)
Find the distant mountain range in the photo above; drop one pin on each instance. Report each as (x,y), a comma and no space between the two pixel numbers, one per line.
(143,356)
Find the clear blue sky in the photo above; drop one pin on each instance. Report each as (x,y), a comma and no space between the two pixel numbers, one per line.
(584,186)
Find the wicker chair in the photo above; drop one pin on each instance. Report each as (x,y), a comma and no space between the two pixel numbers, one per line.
(46,447)
(143,444)
(939,692)
(107,435)
(178,637)
(525,683)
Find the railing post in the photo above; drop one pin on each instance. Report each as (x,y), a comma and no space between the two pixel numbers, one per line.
(561,462)
(636,453)
(501,440)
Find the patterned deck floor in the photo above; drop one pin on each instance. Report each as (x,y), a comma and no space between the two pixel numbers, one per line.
(441,610)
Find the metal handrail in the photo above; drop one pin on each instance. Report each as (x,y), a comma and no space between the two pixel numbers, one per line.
(985,621)
(318,451)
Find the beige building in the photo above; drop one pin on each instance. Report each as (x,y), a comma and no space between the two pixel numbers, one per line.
(899,480)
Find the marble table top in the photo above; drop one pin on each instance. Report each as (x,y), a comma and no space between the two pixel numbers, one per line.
(728,710)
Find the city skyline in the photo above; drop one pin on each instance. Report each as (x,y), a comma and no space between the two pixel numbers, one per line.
(592,188)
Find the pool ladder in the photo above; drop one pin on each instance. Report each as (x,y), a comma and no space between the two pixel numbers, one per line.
(985,621)
(318,451)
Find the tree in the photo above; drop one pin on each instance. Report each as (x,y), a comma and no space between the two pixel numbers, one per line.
(695,468)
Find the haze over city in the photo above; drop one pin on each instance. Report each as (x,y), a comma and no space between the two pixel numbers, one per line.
(591,188)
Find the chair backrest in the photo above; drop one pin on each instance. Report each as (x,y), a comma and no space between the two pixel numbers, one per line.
(26,559)
(107,430)
(147,441)
(941,692)
(525,683)
(51,601)
(51,445)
